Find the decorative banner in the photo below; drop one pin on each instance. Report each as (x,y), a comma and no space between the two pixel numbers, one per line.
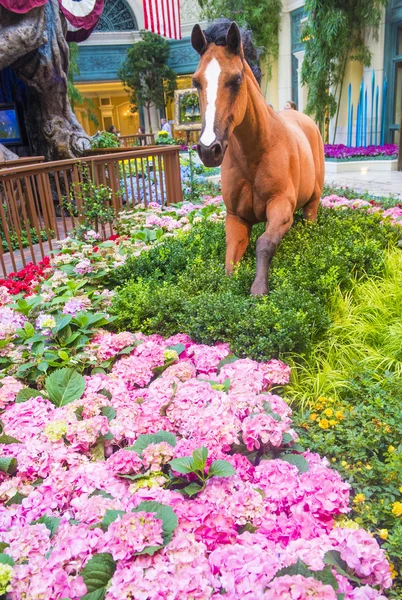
(82,14)
(21,6)
(163,17)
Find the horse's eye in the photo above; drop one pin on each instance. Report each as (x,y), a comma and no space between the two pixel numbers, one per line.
(235,82)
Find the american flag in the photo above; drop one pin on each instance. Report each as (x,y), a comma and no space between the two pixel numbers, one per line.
(163,17)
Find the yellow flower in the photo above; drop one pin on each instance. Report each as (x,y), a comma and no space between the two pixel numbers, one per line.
(323,423)
(332,422)
(391,449)
(344,463)
(359,498)
(400,489)
(383,533)
(368,467)
(397,509)
(313,417)
(328,412)
(339,415)
(55,430)
(394,572)
(6,573)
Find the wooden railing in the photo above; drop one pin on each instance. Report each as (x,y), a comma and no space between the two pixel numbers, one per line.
(25,160)
(33,196)
(146,139)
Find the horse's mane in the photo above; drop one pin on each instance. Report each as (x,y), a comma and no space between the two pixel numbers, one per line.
(216,33)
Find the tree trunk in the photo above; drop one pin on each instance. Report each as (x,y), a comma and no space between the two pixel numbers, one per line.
(148,107)
(34,45)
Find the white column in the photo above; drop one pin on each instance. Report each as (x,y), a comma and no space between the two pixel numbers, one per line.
(302,101)
(284,62)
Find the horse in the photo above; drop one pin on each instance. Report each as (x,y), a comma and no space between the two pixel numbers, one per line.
(272,163)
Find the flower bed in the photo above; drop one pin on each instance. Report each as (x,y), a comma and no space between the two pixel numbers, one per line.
(134,466)
(173,475)
(340,152)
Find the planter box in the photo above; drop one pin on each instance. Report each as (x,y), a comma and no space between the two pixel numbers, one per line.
(347,166)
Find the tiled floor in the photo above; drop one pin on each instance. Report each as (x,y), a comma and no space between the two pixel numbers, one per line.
(388,183)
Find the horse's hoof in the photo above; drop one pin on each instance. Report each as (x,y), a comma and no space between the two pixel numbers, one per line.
(259,289)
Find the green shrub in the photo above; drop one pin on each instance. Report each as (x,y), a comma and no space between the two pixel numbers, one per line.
(181,286)
(360,432)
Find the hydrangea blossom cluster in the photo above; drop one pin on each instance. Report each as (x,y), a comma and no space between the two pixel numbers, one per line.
(77,466)
(394,214)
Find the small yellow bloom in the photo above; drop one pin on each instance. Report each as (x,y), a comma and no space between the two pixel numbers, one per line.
(400,489)
(328,412)
(323,423)
(394,572)
(397,509)
(313,417)
(332,422)
(339,415)
(344,463)
(383,533)
(359,499)
(368,467)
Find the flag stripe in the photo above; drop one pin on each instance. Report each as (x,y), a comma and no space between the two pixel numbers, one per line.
(163,17)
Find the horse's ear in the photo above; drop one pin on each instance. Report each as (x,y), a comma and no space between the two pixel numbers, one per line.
(198,39)
(233,38)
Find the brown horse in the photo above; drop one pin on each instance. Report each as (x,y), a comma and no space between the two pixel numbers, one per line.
(272,164)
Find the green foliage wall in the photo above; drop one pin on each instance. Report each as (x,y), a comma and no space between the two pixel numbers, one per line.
(262,17)
(335,32)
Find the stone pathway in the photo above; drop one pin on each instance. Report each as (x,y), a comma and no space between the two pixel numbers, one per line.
(376,183)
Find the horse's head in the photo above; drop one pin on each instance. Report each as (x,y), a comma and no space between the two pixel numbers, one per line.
(222,89)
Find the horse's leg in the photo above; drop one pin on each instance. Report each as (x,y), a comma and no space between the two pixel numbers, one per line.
(279,221)
(237,238)
(310,209)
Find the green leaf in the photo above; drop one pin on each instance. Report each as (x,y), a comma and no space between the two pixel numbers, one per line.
(98,452)
(52,523)
(101,493)
(96,595)
(8,465)
(109,412)
(287,438)
(182,465)
(29,329)
(163,512)
(110,517)
(200,456)
(8,439)
(61,323)
(127,350)
(179,348)
(43,366)
(297,460)
(97,573)
(298,568)
(221,468)
(5,559)
(145,439)
(63,355)
(16,499)
(327,577)
(227,361)
(64,386)
(333,558)
(3,546)
(192,489)
(27,394)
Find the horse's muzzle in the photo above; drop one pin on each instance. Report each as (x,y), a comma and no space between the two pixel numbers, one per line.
(212,156)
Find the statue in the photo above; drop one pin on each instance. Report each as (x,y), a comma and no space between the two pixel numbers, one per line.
(33,41)
(272,164)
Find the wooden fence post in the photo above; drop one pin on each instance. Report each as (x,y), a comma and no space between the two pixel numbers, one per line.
(174,192)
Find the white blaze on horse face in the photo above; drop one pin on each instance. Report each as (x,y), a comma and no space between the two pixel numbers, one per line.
(212,73)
